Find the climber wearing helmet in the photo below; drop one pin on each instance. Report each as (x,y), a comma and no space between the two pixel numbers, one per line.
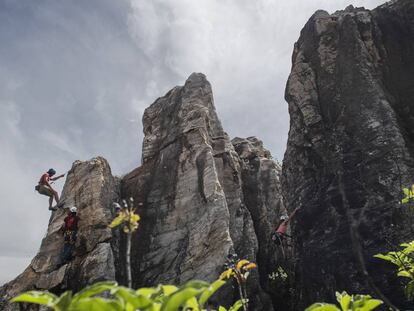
(45,188)
(280,234)
(70,231)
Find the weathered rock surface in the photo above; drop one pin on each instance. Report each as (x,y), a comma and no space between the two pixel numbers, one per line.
(200,197)
(350,148)
(190,186)
(92,189)
(263,198)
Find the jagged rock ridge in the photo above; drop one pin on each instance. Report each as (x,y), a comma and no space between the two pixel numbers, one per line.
(92,188)
(191,185)
(350,147)
(200,199)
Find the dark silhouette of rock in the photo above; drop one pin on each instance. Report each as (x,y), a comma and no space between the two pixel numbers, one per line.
(350,149)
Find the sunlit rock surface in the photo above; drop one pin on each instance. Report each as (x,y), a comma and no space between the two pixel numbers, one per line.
(90,187)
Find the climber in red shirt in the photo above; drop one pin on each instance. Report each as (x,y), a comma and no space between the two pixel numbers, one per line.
(45,188)
(280,233)
(70,232)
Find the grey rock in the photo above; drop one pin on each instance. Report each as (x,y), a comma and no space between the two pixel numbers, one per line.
(352,124)
(190,186)
(199,200)
(92,189)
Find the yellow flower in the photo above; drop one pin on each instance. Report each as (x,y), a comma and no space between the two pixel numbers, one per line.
(242,263)
(249,266)
(226,274)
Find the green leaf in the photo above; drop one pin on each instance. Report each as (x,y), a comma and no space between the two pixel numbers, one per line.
(192,304)
(344,300)
(237,305)
(319,306)
(221,308)
(208,292)
(95,289)
(409,290)
(196,284)
(179,298)
(117,221)
(97,304)
(128,296)
(146,291)
(41,298)
(64,301)
(169,289)
(369,305)
(405,273)
(384,257)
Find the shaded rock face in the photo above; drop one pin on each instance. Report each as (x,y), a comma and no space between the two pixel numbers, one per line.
(263,198)
(190,185)
(91,187)
(350,147)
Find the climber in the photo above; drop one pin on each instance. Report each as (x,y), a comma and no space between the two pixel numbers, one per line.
(280,233)
(70,231)
(45,188)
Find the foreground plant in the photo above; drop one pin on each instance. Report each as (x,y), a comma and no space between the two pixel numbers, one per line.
(191,296)
(404,260)
(348,303)
(129,221)
(239,270)
(409,195)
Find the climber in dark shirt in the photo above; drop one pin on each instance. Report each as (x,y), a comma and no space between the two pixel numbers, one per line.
(70,231)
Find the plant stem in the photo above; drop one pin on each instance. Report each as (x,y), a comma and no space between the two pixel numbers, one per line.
(128,259)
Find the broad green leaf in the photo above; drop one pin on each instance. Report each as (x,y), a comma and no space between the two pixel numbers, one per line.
(196,284)
(221,308)
(146,291)
(41,298)
(95,289)
(129,296)
(64,301)
(169,289)
(323,307)
(369,305)
(97,304)
(208,292)
(179,298)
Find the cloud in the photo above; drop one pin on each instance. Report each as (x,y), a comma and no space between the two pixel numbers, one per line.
(75,79)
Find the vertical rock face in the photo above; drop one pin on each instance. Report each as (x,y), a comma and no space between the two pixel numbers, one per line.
(262,197)
(350,147)
(190,186)
(91,187)
(200,196)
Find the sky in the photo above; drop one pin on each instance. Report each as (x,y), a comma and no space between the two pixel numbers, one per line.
(76,77)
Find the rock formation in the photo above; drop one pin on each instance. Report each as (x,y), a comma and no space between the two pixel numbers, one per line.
(191,188)
(92,189)
(350,148)
(200,199)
